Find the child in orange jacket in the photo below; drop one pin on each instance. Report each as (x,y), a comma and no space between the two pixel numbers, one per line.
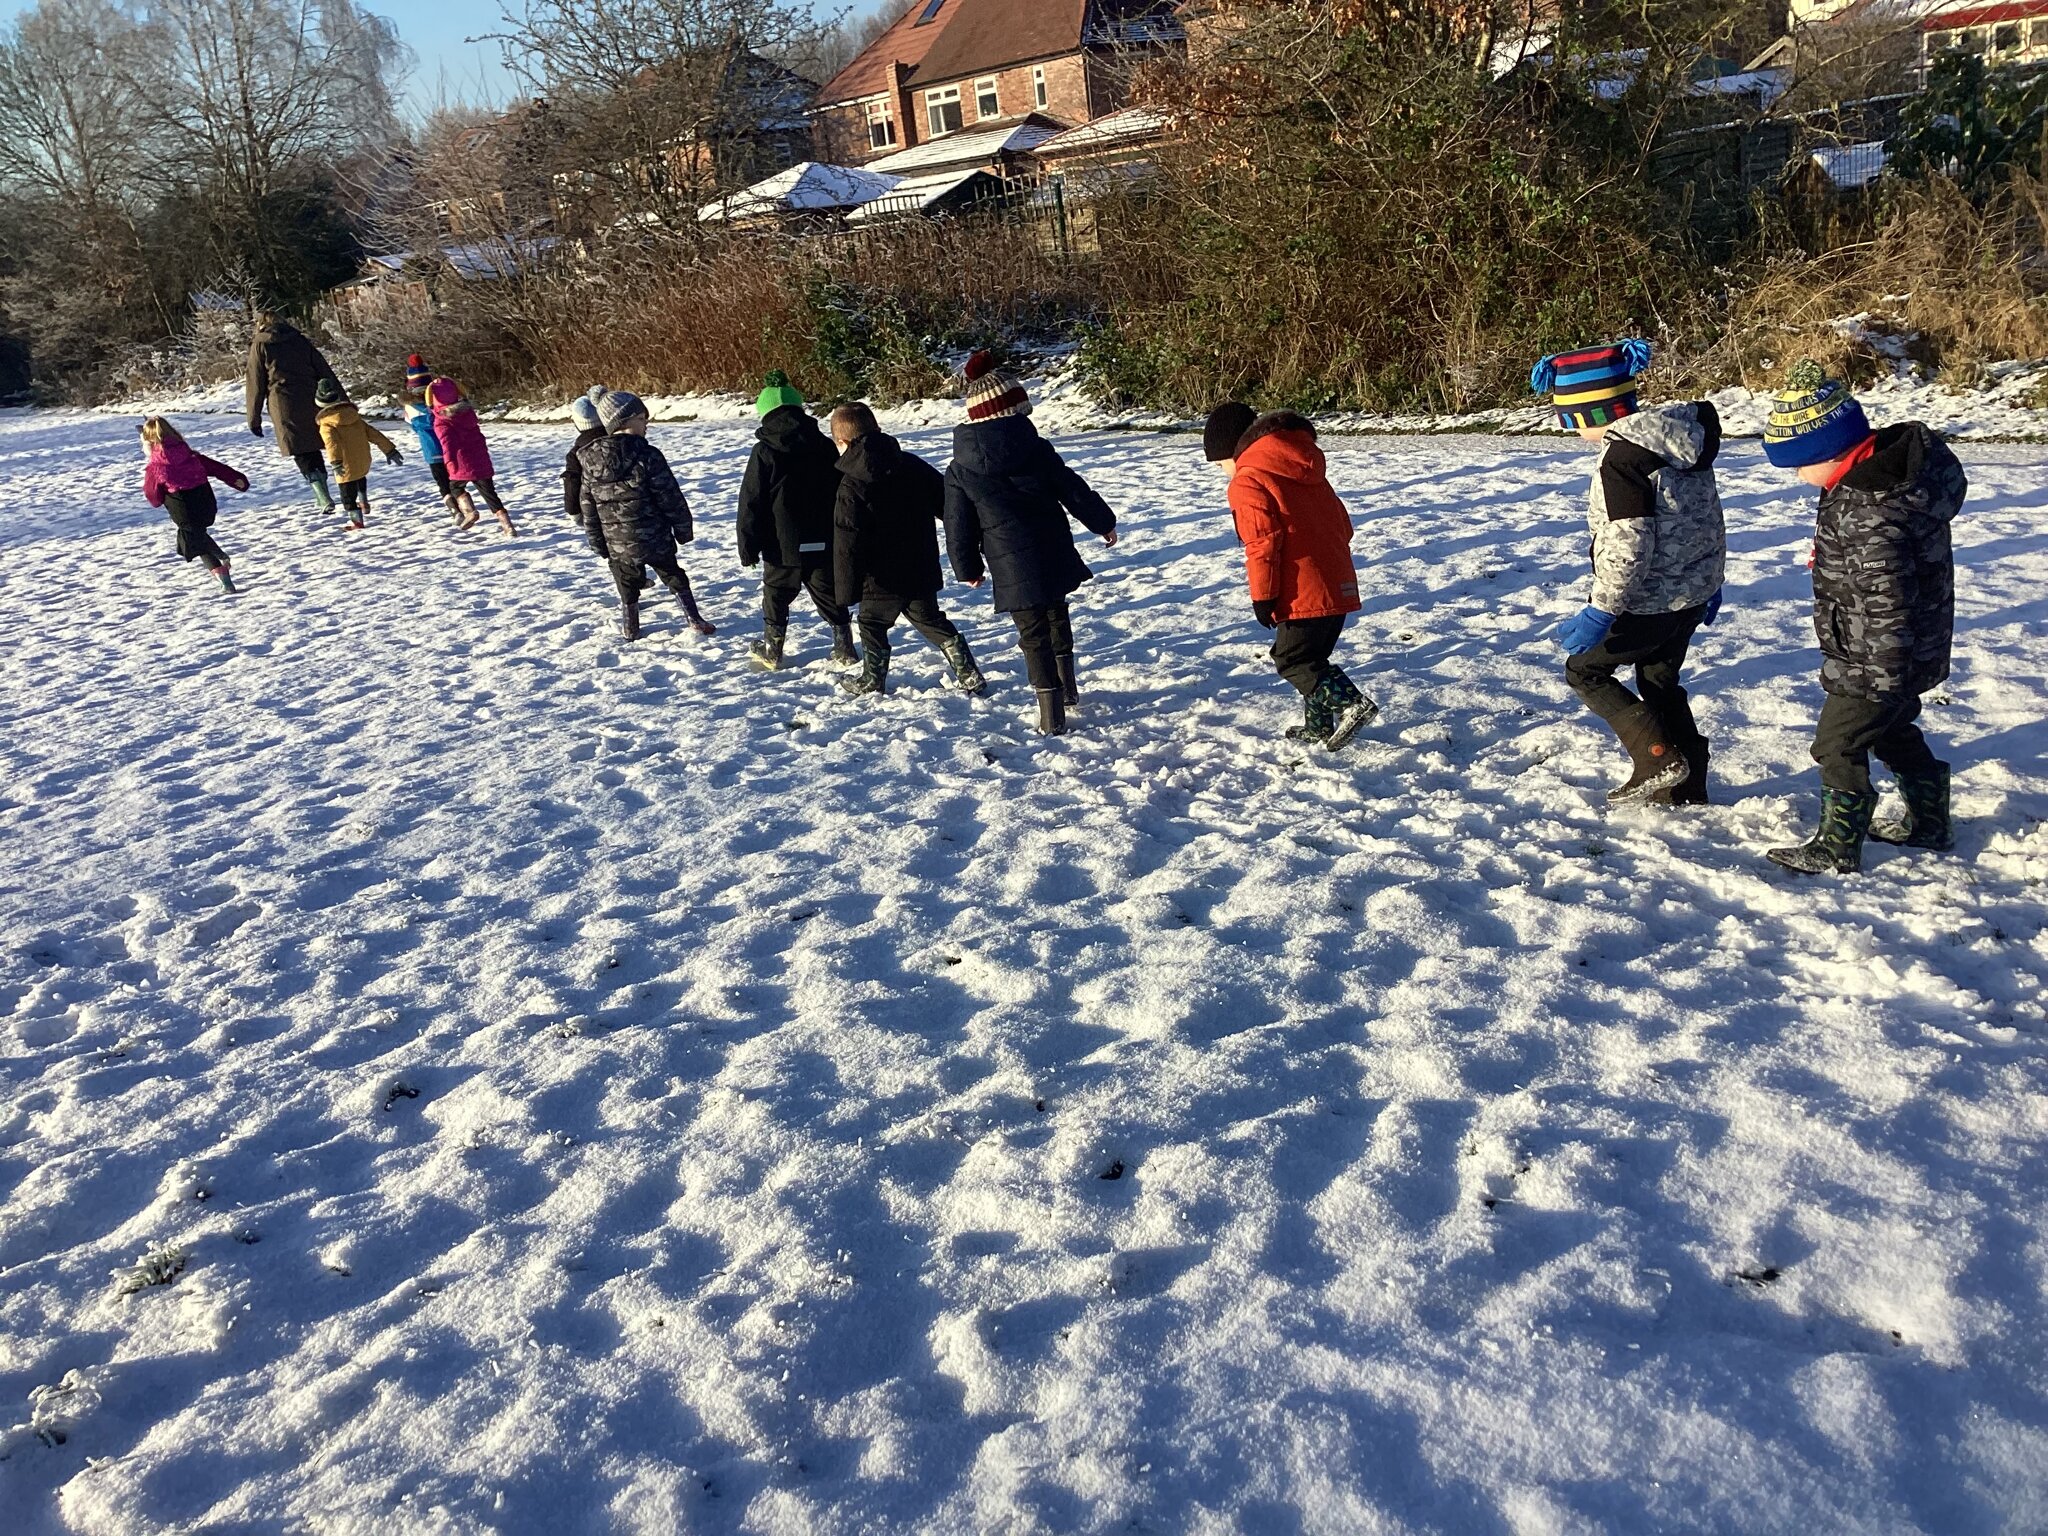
(1297,546)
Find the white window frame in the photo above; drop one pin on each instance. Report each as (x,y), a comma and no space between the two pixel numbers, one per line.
(988,89)
(1041,96)
(937,99)
(880,114)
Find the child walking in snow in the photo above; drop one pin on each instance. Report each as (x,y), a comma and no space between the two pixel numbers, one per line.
(885,549)
(348,439)
(1659,548)
(1008,497)
(421,420)
(589,428)
(785,521)
(175,477)
(1883,608)
(1297,555)
(633,511)
(461,437)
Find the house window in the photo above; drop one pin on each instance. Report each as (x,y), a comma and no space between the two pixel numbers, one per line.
(942,111)
(2037,35)
(930,12)
(1976,40)
(987,103)
(881,125)
(2006,39)
(1040,96)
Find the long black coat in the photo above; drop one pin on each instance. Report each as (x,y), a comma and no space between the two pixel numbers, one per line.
(1008,495)
(284,370)
(634,513)
(885,529)
(787,499)
(1884,584)
(572,474)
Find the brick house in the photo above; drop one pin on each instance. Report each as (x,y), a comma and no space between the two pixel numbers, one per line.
(948,66)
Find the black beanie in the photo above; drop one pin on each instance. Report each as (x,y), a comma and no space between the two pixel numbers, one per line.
(1226,424)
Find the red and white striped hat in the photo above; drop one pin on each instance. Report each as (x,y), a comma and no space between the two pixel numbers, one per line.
(992,393)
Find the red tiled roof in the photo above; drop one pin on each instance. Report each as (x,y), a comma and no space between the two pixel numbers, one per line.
(904,43)
(983,35)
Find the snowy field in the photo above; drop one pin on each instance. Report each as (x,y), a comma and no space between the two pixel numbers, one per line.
(558,1087)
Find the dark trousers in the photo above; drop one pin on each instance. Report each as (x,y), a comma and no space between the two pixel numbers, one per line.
(487,486)
(1654,644)
(631,580)
(780,585)
(192,513)
(439,471)
(355,494)
(1302,647)
(879,614)
(1852,728)
(1044,634)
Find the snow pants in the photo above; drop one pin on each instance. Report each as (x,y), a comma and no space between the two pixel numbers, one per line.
(780,585)
(1044,635)
(1301,650)
(1851,728)
(630,577)
(1655,645)
(192,513)
(879,614)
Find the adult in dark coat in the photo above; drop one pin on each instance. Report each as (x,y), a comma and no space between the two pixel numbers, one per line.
(885,548)
(1008,497)
(285,369)
(1883,611)
(785,520)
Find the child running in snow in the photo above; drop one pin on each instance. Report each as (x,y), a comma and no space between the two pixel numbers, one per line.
(1659,549)
(421,420)
(1297,556)
(885,549)
(1884,586)
(348,439)
(1008,497)
(175,478)
(785,521)
(634,513)
(461,437)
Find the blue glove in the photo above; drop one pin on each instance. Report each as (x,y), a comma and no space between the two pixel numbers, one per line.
(1713,608)
(1584,630)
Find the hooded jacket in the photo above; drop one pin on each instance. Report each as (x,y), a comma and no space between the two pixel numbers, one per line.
(1659,545)
(1008,497)
(633,512)
(348,439)
(572,473)
(421,420)
(461,435)
(1295,531)
(1884,584)
(788,496)
(175,468)
(284,370)
(885,528)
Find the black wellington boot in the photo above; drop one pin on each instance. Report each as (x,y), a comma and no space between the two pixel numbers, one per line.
(1052,713)
(1838,846)
(873,676)
(1659,766)
(629,621)
(1070,680)
(844,653)
(965,673)
(1693,791)
(766,652)
(1926,822)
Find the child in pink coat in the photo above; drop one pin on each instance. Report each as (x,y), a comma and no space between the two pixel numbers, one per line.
(468,457)
(175,478)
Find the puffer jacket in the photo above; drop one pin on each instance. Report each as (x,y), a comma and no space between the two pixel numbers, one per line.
(787,498)
(1659,545)
(173,469)
(633,510)
(1008,496)
(284,370)
(460,434)
(572,474)
(421,420)
(348,439)
(1884,584)
(885,528)
(1295,531)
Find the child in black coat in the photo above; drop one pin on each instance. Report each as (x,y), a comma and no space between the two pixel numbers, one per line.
(885,542)
(785,521)
(634,513)
(1008,497)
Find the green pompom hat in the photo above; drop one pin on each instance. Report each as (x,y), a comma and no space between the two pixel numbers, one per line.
(777,393)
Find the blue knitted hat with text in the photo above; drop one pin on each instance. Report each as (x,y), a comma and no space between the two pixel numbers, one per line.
(1814,420)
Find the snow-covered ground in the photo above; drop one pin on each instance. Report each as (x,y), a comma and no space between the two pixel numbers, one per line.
(564,1087)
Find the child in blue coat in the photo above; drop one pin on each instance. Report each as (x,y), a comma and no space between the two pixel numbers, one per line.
(417,377)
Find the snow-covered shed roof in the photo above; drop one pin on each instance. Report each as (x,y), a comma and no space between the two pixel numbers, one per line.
(810,186)
(961,149)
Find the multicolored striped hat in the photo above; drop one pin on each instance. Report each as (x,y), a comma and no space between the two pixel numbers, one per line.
(1814,419)
(417,374)
(992,393)
(1594,387)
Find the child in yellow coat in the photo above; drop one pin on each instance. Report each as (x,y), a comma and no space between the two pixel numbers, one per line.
(348,439)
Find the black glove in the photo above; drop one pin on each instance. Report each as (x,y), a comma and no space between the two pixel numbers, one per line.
(1262,610)
(394,457)
(255,429)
